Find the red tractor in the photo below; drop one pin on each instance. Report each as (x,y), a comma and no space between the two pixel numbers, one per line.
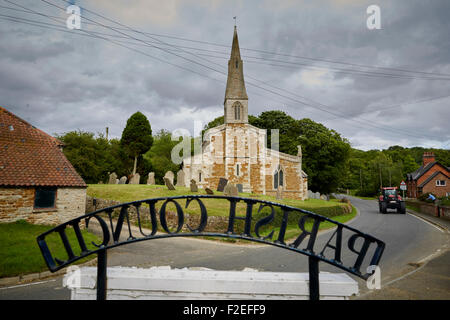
(390,199)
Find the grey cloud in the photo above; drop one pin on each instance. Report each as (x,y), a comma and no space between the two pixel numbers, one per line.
(62,82)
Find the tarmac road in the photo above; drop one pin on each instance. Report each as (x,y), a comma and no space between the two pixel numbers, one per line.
(409,240)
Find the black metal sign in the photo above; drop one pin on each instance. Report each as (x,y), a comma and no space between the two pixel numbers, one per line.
(343,238)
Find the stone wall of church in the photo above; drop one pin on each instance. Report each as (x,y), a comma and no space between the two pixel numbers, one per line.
(241,144)
(293,183)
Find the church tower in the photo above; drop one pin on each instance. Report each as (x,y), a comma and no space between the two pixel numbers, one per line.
(236,99)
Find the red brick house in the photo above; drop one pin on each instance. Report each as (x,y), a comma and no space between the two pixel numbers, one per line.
(37,182)
(431,177)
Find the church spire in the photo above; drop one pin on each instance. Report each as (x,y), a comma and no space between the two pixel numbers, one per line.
(235,81)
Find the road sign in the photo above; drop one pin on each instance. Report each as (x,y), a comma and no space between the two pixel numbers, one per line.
(402,185)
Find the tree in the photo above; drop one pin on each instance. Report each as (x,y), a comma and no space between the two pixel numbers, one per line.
(159,156)
(409,165)
(136,137)
(325,152)
(91,157)
(325,155)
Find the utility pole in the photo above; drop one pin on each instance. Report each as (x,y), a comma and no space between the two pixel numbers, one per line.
(360,178)
(390,184)
(381,180)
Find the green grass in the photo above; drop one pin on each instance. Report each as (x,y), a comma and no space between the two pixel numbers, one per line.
(413,208)
(19,251)
(333,209)
(292,230)
(216,207)
(353,194)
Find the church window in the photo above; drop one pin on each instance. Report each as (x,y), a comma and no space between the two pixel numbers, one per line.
(199,177)
(237,169)
(237,63)
(237,111)
(278,178)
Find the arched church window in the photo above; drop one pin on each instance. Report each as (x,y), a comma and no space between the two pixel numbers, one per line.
(278,178)
(237,111)
(237,63)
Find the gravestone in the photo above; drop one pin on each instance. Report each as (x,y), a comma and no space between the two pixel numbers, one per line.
(180,179)
(222,183)
(230,190)
(135,178)
(123,180)
(209,191)
(324,197)
(317,195)
(117,181)
(193,186)
(168,183)
(239,187)
(112,178)
(169,175)
(151,178)
(310,194)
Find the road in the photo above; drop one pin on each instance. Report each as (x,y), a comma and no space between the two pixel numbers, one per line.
(408,240)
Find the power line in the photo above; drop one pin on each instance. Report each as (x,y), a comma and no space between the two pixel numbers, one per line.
(400,105)
(271,91)
(339,70)
(295,100)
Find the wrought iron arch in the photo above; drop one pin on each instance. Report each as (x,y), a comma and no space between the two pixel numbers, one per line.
(111,234)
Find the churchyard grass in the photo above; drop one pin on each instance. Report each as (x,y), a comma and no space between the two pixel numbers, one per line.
(333,209)
(20,254)
(216,207)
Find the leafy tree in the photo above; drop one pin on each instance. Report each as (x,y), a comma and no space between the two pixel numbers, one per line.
(136,137)
(409,165)
(91,157)
(325,152)
(325,155)
(159,155)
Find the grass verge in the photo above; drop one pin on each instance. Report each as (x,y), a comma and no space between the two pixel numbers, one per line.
(216,207)
(19,251)
(292,229)
(333,209)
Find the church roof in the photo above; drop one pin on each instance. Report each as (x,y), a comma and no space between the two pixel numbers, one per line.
(235,81)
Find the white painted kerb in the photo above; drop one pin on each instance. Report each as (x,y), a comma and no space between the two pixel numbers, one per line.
(201,283)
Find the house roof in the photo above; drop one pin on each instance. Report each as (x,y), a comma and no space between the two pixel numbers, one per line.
(419,172)
(431,178)
(31,157)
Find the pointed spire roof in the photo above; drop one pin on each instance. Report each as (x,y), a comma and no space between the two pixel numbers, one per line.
(235,82)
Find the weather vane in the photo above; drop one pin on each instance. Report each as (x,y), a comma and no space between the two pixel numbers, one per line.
(234,20)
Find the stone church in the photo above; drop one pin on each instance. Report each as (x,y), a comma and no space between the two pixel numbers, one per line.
(237,150)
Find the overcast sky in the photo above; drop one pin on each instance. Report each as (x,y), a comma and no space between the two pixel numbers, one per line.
(63,81)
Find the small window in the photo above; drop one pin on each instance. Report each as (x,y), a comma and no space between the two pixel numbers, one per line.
(199,176)
(278,178)
(237,63)
(440,183)
(237,169)
(275,180)
(237,112)
(44,198)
